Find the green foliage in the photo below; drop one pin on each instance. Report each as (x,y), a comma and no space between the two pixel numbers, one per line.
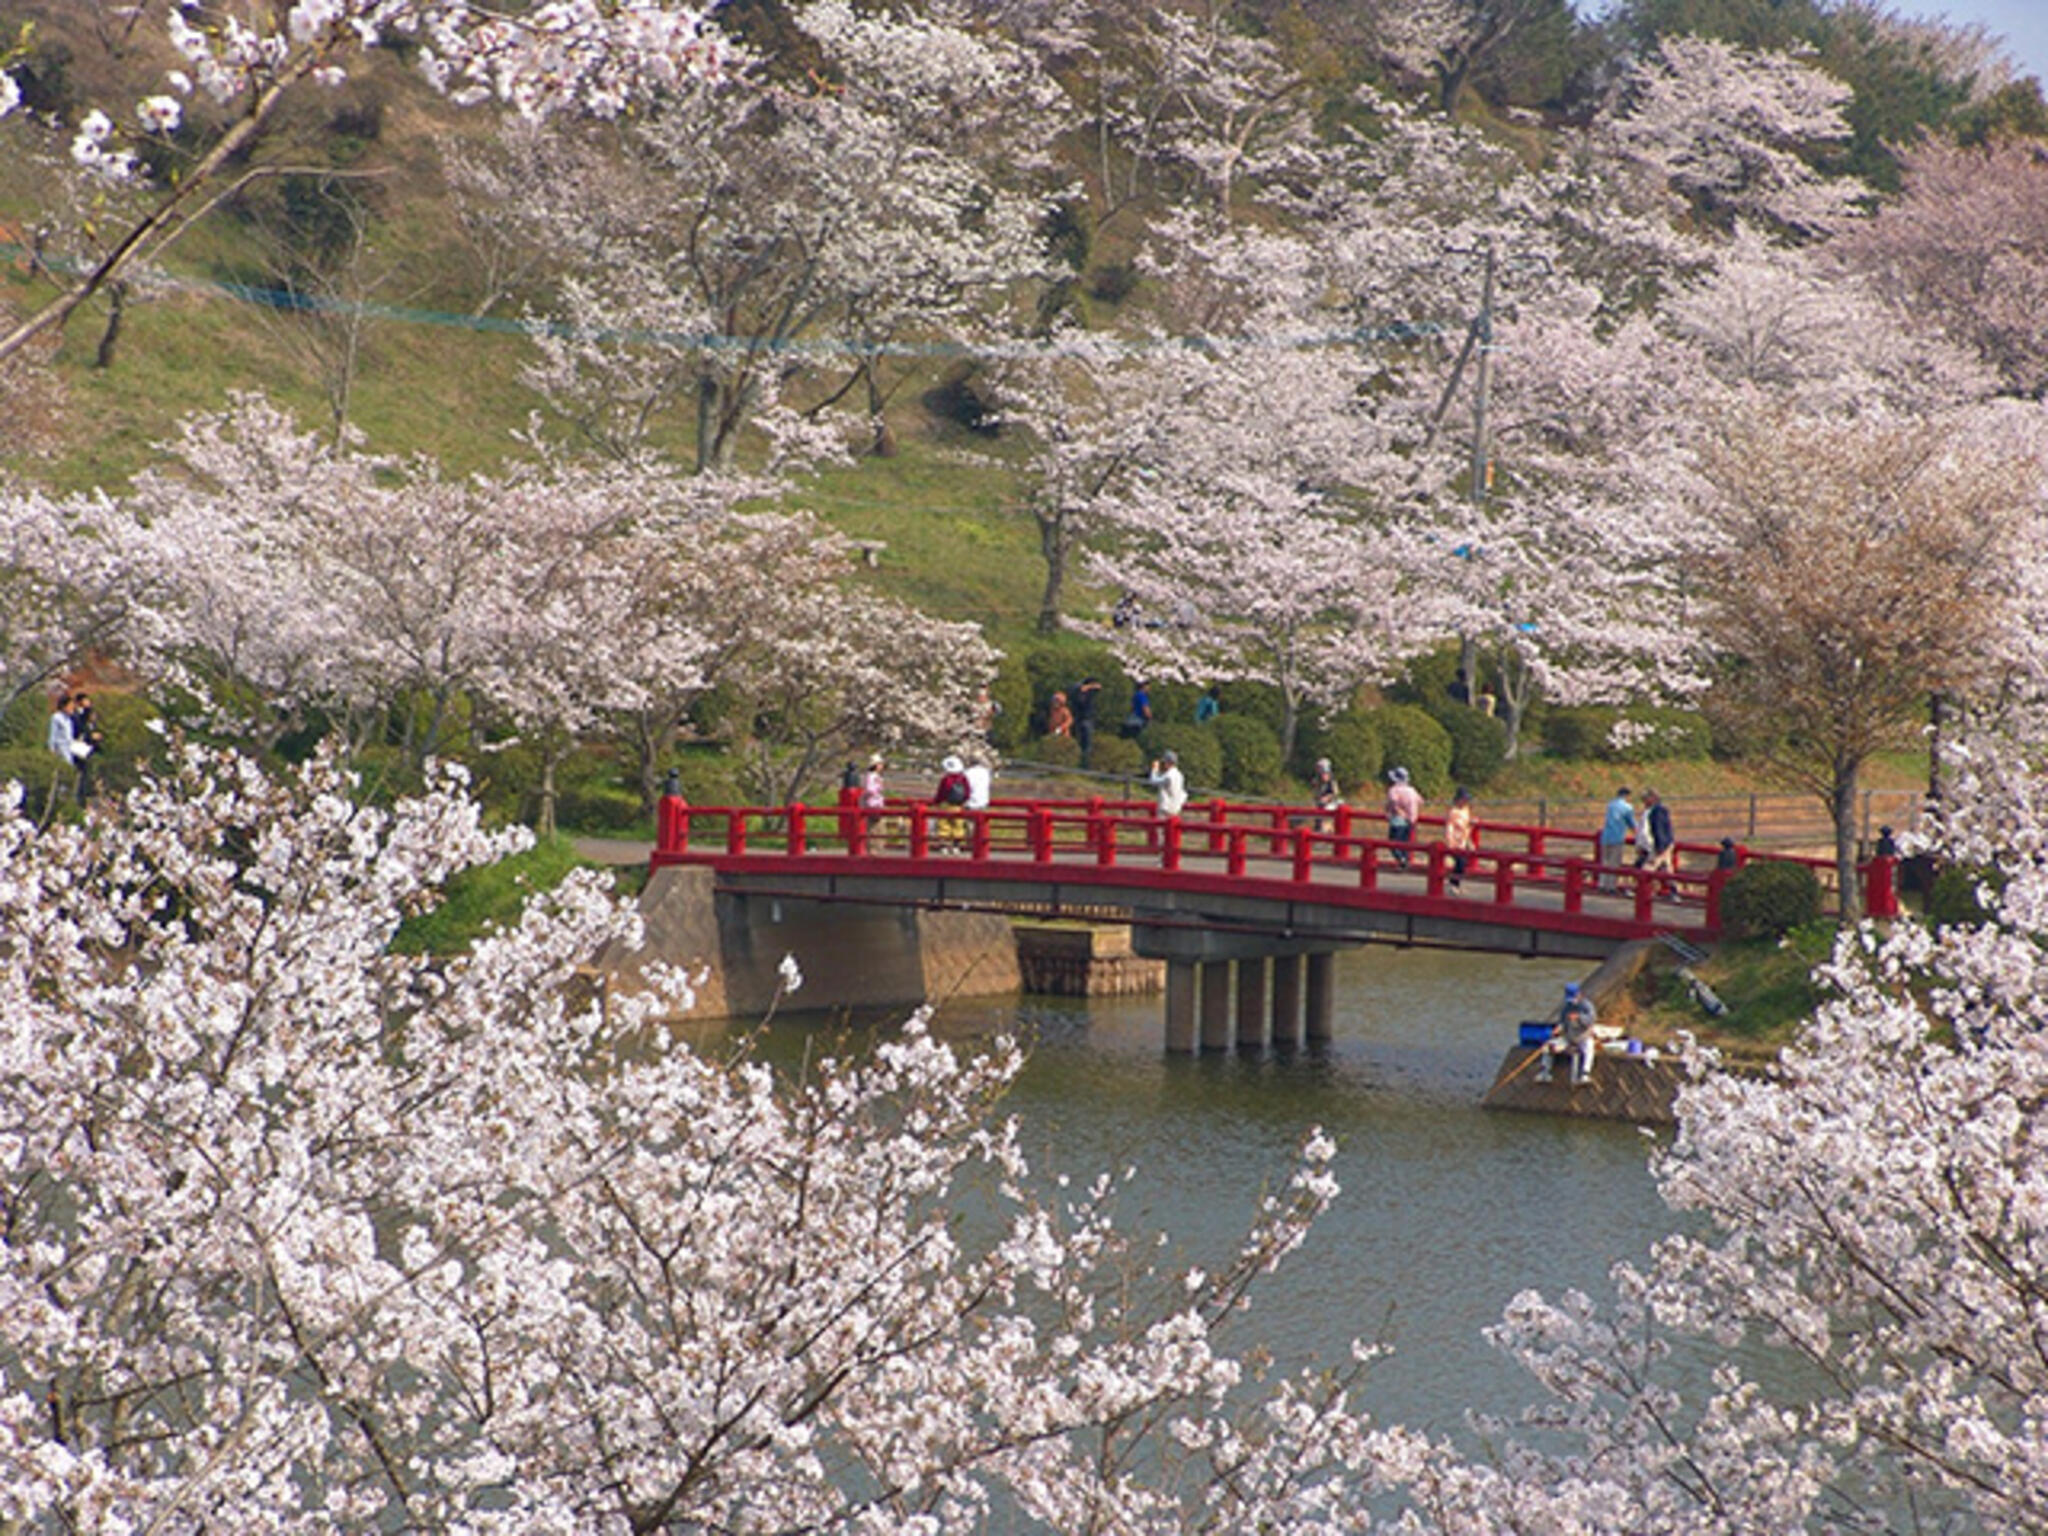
(1348,741)
(1114,755)
(1954,902)
(32,768)
(1769,899)
(1427,679)
(1479,743)
(1411,738)
(1588,733)
(1579,733)
(1054,751)
(1201,755)
(479,900)
(1011,690)
(1250,748)
(1175,701)
(1059,662)
(1258,701)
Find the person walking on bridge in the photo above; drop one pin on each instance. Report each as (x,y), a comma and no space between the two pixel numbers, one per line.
(1616,828)
(1460,836)
(1658,844)
(1172,785)
(1404,809)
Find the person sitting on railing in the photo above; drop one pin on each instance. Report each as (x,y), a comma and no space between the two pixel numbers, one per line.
(1404,809)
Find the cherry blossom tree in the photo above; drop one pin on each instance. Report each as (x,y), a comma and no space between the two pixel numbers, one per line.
(369,1242)
(1849,571)
(1965,247)
(66,592)
(738,236)
(1727,128)
(246,59)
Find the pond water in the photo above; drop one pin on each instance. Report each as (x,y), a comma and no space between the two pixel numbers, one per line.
(1447,1212)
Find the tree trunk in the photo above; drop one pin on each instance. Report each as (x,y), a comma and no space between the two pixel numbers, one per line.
(1842,806)
(883,445)
(110,338)
(1052,543)
(545,822)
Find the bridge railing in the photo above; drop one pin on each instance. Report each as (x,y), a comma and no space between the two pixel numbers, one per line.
(1294,844)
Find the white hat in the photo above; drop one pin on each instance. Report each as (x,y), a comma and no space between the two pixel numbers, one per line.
(1399,775)
(953,765)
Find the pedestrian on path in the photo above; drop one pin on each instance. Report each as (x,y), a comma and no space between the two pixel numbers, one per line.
(1460,836)
(1166,777)
(1404,809)
(1658,844)
(1616,829)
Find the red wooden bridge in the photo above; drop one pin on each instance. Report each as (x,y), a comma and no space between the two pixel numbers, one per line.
(1224,882)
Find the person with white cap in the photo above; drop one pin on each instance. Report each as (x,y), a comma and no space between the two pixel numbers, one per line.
(1404,809)
(1172,785)
(953,792)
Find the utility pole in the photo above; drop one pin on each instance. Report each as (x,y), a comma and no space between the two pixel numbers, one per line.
(1482,331)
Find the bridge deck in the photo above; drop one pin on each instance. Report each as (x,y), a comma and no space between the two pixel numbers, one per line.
(1285,870)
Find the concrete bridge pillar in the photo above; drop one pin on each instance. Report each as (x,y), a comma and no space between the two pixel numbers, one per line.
(1216,1005)
(1251,1002)
(1180,1005)
(1287,1000)
(1322,996)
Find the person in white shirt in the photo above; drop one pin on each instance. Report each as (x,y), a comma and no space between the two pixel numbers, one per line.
(980,784)
(1167,779)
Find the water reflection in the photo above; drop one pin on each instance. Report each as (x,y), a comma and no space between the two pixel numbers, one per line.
(1447,1210)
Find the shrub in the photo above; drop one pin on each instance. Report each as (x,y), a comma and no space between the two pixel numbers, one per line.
(1769,899)
(1252,763)
(1258,701)
(1577,731)
(1349,742)
(1410,738)
(1639,734)
(1058,663)
(1011,690)
(1055,751)
(1479,743)
(1952,900)
(1427,680)
(1201,755)
(1114,755)
(1175,702)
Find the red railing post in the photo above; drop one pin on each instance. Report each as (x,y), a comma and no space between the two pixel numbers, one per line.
(1646,896)
(920,832)
(849,815)
(855,824)
(1343,831)
(1369,866)
(981,834)
(797,815)
(1238,838)
(672,825)
(1095,825)
(1039,832)
(1169,856)
(1105,841)
(1539,842)
(1504,880)
(1304,855)
(1717,880)
(735,832)
(1574,885)
(1277,843)
(1219,814)
(1439,857)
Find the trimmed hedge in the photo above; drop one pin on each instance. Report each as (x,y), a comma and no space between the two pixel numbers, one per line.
(1479,743)
(1114,754)
(1348,741)
(1252,762)
(1256,701)
(1588,731)
(1411,738)
(1201,755)
(1769,899)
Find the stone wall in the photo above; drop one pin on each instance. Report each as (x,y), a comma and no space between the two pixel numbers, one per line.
(851,956)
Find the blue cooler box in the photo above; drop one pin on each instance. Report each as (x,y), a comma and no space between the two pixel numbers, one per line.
(1535,1034)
